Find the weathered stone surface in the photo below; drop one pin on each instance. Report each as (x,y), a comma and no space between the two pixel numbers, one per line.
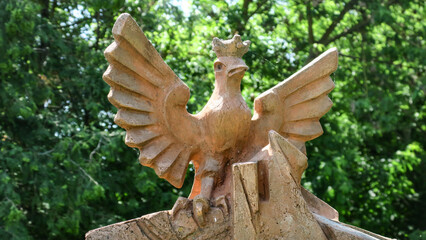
(245,200)
(167,225)
(182,222)
(340,231)
(318,206)
(285,213)
(128,230)
(156,226)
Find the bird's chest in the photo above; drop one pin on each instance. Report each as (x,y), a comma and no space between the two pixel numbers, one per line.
(228,123)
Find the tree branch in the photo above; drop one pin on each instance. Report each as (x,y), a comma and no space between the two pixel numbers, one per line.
(97,31)
(245,9)
(403,34)
(354,28)
(373,59)
(95,150)
(310,22)
(52,9)
(259,7)
(336,21)
(74,23)
(84,172)
(46,152)
(241,24)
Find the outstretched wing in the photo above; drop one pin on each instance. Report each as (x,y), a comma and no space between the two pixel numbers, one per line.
(151,102)
(293,107)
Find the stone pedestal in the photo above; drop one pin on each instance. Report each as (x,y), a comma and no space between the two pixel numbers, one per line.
(267,203)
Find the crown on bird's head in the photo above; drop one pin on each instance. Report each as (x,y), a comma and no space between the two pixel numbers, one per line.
(230,48)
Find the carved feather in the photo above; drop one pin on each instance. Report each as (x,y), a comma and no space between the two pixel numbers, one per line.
(140,85)
(294,106)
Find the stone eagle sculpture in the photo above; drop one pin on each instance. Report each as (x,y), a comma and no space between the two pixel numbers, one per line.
(151,102)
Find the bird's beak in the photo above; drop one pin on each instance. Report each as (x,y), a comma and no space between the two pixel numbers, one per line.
(237,70)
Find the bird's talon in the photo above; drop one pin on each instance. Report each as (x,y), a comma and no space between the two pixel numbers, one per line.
(200,207)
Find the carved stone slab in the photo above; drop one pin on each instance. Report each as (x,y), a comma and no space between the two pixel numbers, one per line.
(177,223)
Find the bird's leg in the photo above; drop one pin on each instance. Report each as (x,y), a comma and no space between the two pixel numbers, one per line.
(208,173)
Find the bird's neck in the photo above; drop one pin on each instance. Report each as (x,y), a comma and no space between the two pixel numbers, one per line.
(227,88)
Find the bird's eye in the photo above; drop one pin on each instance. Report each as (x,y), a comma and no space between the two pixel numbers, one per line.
(219,66)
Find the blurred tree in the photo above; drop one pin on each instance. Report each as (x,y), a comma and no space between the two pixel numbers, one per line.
(64,168)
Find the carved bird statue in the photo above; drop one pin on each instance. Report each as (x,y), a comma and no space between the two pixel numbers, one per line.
(151,102)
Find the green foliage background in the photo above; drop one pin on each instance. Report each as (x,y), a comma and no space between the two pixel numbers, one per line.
(64,168)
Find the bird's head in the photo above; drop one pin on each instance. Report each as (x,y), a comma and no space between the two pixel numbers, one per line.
(230,67)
